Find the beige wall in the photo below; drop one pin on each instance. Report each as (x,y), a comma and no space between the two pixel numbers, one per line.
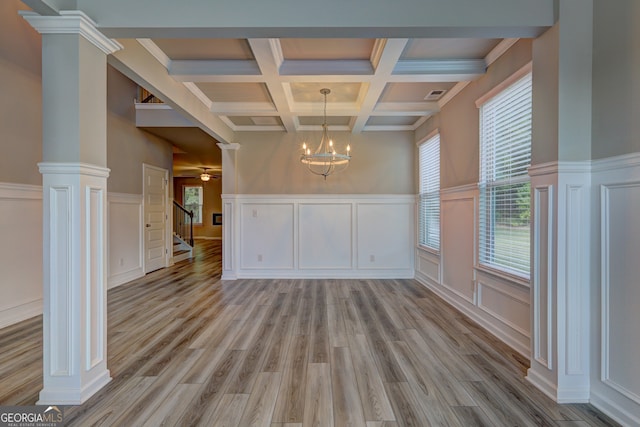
(544,145)
(212,203)
(128,147)
(20,97)
(459,120)
(616,78)
(268,163)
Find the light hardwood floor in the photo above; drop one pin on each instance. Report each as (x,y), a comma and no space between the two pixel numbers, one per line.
(186,349)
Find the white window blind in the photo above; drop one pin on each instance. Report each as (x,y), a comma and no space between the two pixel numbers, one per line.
(505,190)
(429,203)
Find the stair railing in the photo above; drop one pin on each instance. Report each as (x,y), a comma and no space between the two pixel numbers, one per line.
(183,223)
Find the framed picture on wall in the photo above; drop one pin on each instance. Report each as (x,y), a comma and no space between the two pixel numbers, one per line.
(217,219)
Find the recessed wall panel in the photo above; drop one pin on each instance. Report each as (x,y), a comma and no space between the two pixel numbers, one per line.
(621,290)
(384,237)
(325,236)
(266,233)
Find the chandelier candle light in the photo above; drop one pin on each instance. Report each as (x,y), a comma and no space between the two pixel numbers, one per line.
(325,160)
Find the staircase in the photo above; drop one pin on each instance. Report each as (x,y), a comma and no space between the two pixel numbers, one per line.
(181,249)
(182,233)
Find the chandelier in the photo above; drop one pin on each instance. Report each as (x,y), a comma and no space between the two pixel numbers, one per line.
(325,160)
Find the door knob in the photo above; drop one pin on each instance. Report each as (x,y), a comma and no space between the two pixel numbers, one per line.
(148,225)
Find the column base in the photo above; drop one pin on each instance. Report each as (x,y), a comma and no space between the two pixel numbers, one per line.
(73,396)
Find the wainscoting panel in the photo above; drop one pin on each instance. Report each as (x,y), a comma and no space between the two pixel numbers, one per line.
(427,266)
(620,207)
(543,280)
(507,305)
(615,389)
(21,253)
(325,237)
(266,231)
(383,233)
(501,306)
(319,236)
(125,238)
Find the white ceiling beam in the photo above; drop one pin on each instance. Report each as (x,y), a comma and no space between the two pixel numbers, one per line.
(260,19)
(326,67)
(440,66)
(138,64)
(268,55)
(391,50)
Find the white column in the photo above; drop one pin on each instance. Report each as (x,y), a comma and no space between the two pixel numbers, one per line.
(229,211)
(74,206)
(561,194)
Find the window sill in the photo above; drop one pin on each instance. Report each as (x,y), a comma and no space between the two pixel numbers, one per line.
(511,278)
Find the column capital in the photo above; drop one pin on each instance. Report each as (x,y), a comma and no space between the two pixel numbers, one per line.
(72,22)
(231,146)
(73,169)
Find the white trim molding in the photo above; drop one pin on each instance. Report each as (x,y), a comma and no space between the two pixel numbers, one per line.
(318,236)
(72,22)
(125,244)
(561,308)
(75,278)
(498,304)
(616,193)
(21,265)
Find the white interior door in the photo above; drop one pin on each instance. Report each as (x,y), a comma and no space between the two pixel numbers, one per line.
(155,192)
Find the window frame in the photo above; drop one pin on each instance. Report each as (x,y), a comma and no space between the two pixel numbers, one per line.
(427,192)
(200,207)
(505,188)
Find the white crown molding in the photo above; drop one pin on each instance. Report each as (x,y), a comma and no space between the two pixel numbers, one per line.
(231,146)
(499,50)
(73,168)
(377,51)
(523,71)
(72,22)
(451,93)
(276,50)
(157,53)
(199,94)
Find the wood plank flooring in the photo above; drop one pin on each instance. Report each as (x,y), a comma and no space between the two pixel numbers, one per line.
(187,349)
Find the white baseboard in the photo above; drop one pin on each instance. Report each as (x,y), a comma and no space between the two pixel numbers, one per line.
(19,313)
(464,309)
(122,278)
(615,411)
(541,383)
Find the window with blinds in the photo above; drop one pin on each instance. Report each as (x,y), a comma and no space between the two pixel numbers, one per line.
(505,190)
(429,202)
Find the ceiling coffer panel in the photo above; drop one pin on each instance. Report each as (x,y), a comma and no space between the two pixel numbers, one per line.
(326,49)
(205,49)
(235,92)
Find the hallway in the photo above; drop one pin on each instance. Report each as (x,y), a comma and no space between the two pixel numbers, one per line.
(185,348)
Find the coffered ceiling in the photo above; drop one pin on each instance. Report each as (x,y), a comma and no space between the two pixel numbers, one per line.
(273,84)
